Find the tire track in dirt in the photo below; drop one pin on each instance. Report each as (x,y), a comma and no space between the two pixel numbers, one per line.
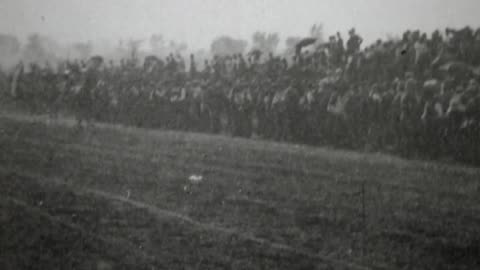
(130,154)
(210,227)
(162,213)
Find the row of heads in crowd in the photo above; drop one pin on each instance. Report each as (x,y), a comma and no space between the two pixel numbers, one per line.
(465,41)
(451,38)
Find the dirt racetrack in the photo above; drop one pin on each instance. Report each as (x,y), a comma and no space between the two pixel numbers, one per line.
(113,197)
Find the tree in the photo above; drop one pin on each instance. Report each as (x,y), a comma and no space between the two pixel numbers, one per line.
(157,43)
(40,49)
(83,49)
(9,45)
(225,45)
(9,50)
(264,42)
(162,48)
(290,44)
(316,31)
(133,46)
(177,48)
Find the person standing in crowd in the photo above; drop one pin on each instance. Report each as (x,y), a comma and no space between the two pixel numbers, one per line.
(84,99)
(435,93)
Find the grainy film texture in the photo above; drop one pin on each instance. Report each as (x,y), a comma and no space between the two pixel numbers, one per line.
(262,134)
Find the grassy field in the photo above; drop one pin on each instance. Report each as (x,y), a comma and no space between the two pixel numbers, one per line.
(119,198)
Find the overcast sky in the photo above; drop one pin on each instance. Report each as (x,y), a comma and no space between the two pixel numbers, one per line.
(197,22)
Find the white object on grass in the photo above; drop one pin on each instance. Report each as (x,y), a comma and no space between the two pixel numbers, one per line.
(194,179)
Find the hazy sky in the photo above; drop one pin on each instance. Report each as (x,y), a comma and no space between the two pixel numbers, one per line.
(197,22)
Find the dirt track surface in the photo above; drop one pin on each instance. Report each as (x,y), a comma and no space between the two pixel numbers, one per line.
(119,198)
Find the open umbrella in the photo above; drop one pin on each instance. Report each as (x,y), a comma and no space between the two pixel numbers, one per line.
(303,43)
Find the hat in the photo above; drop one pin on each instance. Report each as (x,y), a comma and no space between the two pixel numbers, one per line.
(431,84)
